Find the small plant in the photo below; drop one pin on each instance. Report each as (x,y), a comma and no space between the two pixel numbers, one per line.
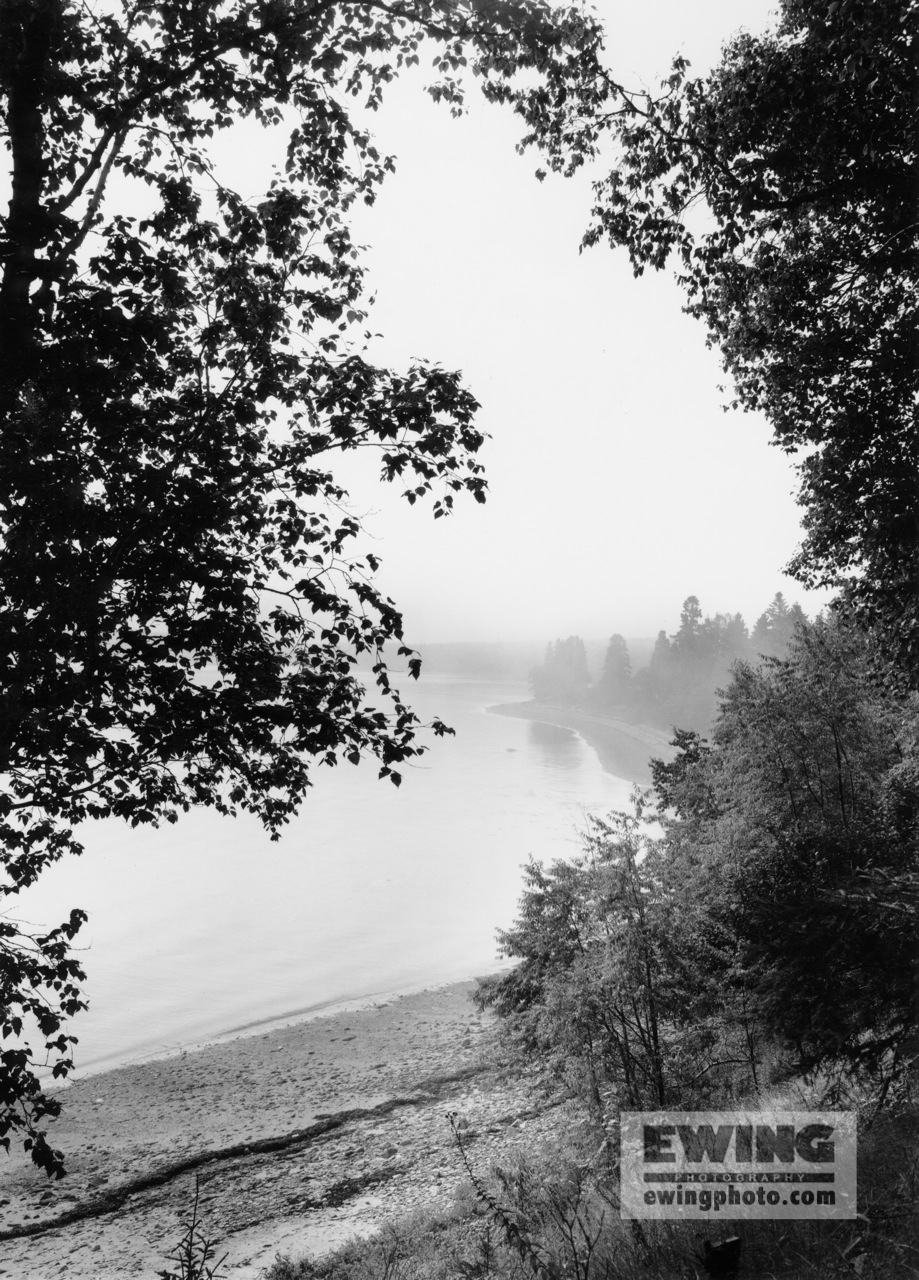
(518,1241)
(193,1256)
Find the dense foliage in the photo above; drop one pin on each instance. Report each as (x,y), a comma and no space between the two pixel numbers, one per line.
(770,929)
(182,608)
(783,188)
(613,987)
(796,833)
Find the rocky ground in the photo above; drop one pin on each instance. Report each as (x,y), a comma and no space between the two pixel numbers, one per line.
(298,1138)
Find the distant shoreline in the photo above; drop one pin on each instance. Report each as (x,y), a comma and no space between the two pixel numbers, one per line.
(623,748)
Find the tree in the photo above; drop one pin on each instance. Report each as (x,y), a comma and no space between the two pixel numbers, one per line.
(662,653)
(181,605)
(688,641)
(794,835)
(801,149)
(587,989)
(563,676)
(672,778)
(615,983)
(615,683)
(680,683)
(775,628)
(652,683)
(727,638)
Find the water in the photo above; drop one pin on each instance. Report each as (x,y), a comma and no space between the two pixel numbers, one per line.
(206,927)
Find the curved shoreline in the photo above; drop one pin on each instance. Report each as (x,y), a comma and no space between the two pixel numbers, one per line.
(333,1007)
(303,1130)
(299,1138)
(622,747)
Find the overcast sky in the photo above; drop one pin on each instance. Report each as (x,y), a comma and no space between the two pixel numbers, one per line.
(618,486)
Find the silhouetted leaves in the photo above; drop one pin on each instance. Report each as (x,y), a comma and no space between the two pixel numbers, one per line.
(800,148)
(184,618)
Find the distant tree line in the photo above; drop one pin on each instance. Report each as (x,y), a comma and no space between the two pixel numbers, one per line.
(680,683)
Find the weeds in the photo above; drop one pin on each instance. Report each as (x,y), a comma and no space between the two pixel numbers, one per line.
(554,1215)
(514,1236)
(193,1256)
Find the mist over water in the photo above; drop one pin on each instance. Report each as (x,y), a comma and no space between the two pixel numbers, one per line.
(205,927)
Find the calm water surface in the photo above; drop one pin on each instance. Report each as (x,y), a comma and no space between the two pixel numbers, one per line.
(206,927)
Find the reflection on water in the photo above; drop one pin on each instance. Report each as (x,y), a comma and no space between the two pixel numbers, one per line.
(561,748)
(205,926)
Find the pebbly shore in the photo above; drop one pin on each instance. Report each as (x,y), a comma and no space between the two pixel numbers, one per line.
(299,1138)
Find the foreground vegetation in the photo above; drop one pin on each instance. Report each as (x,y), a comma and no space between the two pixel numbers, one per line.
(554,1215)
(775,913)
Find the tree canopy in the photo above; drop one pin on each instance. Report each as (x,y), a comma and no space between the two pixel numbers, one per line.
(182,608)
(783,188)
(794,835)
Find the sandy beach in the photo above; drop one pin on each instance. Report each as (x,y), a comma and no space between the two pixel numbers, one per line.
(622,747)
(300,1138)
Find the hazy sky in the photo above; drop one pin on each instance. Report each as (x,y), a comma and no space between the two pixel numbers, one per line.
(618,486)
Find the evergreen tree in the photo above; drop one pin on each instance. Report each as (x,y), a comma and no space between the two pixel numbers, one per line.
(775,628)
(688,641)
(564,675)
(651,684)
(615,684)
